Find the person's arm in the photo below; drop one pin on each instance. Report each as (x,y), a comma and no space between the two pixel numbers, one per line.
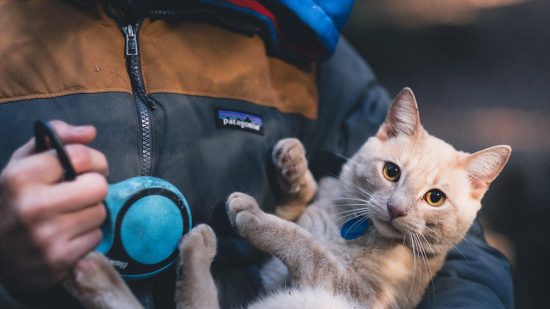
(47,225)
(353,105)
(474,276)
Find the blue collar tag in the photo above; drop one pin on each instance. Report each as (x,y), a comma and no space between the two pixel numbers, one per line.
(354,228)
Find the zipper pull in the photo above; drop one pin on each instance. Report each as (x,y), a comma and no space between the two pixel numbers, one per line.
(131,47)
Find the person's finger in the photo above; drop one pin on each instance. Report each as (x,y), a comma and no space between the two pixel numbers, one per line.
(84,244)
(24,151)
(70,134)
(39,203)
(67,133)
(45,167)
(64,257)
(86,159)
(85,220)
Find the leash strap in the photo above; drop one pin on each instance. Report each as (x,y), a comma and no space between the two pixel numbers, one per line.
(46,137)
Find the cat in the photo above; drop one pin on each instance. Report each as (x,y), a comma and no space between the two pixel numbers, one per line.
(406,196)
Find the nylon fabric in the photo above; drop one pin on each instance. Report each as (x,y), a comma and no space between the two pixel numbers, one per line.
(49,48)
(213,62)
(210,61)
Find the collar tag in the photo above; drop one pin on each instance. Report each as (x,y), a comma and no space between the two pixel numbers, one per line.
(354,228)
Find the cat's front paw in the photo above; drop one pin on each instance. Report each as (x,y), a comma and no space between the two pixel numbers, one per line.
(200,242)
(94,273)
(289,157)
(97,284)
(243,212)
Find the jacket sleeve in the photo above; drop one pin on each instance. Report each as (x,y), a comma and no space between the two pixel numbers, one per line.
(474,276)
(352,106)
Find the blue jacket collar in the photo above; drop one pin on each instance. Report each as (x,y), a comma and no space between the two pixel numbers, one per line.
(301,29)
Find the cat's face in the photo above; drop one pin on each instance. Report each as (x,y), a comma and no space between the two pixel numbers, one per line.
(417,186)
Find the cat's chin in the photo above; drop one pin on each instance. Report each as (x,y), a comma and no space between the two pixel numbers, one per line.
(386,229)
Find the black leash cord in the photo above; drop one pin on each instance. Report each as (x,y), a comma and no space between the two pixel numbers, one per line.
(46,137)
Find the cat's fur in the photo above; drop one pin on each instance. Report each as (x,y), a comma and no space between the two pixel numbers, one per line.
(389,266)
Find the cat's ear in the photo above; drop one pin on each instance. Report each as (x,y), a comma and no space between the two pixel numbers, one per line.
(484,166)
(402,116)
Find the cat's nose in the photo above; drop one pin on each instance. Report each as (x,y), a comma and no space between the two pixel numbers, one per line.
(396,211)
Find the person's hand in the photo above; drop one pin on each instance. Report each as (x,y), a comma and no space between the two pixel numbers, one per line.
(47,224)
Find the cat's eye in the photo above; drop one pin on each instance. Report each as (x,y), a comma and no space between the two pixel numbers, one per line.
(435,197)
(391,171)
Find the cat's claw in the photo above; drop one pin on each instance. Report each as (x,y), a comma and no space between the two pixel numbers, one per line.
(289,157)
(243,212)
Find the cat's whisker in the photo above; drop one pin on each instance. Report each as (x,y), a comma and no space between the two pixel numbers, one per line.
(431,275)
(349,198)
(428,243)
(348,159)
(353,210)
(414,265)
(352,204)
(354,215)
(463,238)
(356,186)
(358,222)
(423,254)
(421,258)
(365,202)
(370,201)
(445,239)
(425,257)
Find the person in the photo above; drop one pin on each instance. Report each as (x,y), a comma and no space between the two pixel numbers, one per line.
(143,88)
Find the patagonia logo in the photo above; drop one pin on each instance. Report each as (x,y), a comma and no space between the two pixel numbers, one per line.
(227,119)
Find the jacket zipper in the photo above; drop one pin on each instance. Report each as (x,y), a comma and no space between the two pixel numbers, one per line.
(144,104)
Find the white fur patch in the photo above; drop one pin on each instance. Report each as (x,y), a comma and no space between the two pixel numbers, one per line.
(304,299)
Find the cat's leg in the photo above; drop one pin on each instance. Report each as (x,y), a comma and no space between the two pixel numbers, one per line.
(308,261)
(195,287)
(98,285)
(295,179)
(274,274)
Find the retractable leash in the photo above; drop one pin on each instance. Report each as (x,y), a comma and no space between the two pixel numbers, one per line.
(147,216)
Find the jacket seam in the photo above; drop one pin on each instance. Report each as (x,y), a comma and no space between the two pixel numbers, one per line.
(61,93)
(253,100)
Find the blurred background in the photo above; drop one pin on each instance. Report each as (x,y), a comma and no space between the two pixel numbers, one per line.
(480,70)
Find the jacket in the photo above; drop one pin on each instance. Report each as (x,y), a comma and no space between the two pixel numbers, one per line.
(157,82)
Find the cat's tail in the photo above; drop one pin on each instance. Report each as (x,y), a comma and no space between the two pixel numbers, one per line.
(195,287)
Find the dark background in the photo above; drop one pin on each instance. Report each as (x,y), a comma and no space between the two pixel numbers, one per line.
(480,70)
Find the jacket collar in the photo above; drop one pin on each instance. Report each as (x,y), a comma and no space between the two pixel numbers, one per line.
(303,30)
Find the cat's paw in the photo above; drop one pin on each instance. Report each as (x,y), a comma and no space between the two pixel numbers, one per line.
(93,273)
(199,242)
(289,157)
(97,284)
(243,212)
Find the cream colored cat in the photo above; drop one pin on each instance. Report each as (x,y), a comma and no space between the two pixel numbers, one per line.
(418,195)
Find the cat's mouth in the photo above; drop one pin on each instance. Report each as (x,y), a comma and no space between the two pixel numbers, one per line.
(387,229)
